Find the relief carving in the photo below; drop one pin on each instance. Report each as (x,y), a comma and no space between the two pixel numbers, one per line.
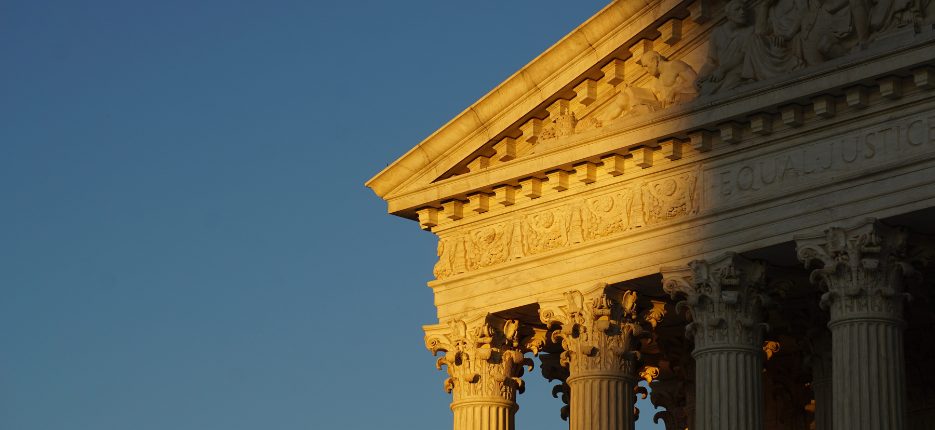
(673,80)
(670,198)
(608,214)
(562,125)
(672,83)
(546,230)
(488,246)
(451,258)
(780,36)
(592,218)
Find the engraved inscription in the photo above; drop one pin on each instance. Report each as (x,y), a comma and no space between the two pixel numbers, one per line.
(818,162)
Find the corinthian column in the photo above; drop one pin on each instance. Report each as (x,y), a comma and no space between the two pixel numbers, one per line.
(598,332)
(725,299)
(862,271)
(484,361)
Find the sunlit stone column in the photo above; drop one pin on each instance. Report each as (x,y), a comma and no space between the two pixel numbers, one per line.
(598,331)
(725,297)
(863,271)
(484,361)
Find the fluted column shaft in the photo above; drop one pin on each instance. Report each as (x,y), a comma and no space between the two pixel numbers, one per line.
(601,401)
(869,373)
(725,297)
(598,331)
(484,414)
(863,272)
(484,361)
(729,389)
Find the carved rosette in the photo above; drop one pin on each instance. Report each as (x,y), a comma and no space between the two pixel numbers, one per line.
(484,358)
(863,270)
(725,297)
(598,331)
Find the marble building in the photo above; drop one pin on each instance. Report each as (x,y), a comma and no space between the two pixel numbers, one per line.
(731,200)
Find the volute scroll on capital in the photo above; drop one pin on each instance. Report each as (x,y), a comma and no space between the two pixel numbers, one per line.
(725,297)
(484,357)
(599,330)
(862,269)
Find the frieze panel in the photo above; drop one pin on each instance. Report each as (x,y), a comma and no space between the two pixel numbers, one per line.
(669,198)
(608,214)
(536,231)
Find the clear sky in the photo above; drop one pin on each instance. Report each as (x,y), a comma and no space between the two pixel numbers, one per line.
(185,239)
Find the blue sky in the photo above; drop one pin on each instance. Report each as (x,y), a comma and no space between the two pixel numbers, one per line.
(185,239)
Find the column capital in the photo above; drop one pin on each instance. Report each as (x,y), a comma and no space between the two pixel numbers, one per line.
(725,297)
(484,357)
(598,329)
(862,268)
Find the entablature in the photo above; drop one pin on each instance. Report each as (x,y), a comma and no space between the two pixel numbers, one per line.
(641,146)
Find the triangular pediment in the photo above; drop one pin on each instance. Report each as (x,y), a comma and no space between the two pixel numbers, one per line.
(639,77)
(524,103)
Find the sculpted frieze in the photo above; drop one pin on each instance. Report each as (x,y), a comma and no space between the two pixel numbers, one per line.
(608,213)
(535,231)
(669,198)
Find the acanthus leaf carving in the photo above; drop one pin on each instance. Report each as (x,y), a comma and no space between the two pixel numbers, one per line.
(725,297)
(598,330)
(484,357)
(863,269)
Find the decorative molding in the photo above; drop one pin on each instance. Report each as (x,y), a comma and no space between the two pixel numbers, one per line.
(536,231)
(863,269)
(484,357)
(725,298)
(598,330)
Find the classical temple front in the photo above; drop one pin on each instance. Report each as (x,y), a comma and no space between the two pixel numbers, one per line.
(731,200)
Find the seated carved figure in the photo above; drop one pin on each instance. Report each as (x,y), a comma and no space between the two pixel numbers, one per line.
(741,52)
(825,24)
(876,16)
(727,52)
(674,81)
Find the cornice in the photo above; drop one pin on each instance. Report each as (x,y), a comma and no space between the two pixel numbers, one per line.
(528,88)
(697,126)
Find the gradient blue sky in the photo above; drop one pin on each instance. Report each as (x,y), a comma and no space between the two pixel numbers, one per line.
(185,239)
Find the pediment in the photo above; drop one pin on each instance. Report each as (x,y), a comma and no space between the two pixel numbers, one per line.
(640,72)
(523,100)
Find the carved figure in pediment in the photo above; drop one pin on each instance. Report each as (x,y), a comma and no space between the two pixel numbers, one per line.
(741,52)
(824,27)
(629,100)
(877,16)
(728,50)
(773,50)
(674,80)
(560,126)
